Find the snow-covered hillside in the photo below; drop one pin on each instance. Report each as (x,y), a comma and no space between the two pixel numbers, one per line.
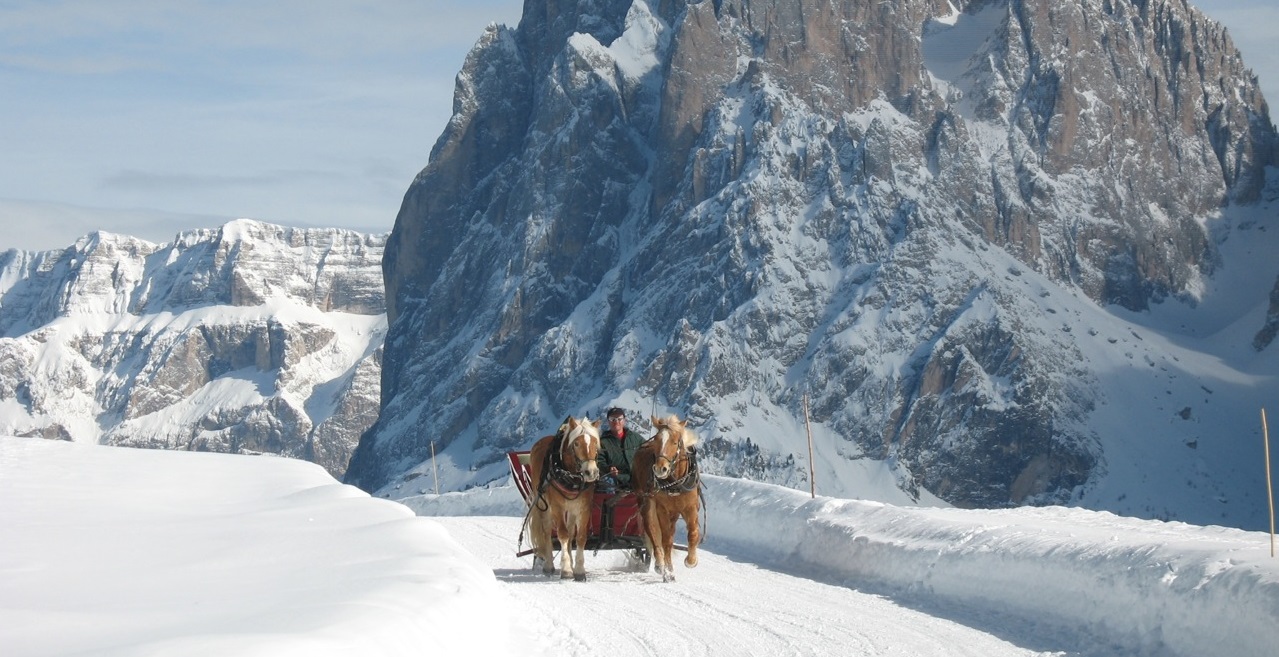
(113,551)
(250,337)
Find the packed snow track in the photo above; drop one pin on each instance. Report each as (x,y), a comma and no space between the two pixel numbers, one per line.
(726,607)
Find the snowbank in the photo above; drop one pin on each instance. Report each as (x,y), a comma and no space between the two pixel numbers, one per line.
(1151,587)
(114,551)
(1148,585)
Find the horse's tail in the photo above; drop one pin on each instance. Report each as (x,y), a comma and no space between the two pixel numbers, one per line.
(527,526)
(533,520)
(537,503)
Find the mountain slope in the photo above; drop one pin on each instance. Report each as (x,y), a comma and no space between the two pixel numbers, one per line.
(941,226)
(250,337)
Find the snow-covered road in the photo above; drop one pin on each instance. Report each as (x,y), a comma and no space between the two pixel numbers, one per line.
(140,553)
(726,607)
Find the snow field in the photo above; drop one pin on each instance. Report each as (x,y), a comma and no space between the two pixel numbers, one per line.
(123,552)
(116,551)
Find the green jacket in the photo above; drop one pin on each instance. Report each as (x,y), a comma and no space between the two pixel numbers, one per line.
(619,454)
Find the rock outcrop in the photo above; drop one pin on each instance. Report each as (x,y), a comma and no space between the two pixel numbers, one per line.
(916,217)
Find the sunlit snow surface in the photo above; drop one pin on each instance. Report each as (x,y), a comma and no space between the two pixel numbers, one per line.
(113,551)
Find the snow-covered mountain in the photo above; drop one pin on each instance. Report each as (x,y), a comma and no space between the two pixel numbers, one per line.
(1010,252)
(250,337)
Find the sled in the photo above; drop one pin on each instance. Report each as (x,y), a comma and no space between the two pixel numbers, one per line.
(623,532)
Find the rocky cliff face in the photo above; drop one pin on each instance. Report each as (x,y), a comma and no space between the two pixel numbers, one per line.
(248,338)
(931,222)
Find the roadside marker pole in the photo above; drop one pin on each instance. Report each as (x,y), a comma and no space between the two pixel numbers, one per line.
(1270,495)
(435,475)
(812,477)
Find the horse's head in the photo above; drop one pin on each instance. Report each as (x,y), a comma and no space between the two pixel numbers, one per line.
(673,440)
(581,445)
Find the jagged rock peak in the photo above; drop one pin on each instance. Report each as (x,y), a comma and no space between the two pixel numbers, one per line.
(245,338)
(723,207)
(242,263)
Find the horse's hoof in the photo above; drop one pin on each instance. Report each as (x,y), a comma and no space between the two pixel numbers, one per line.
(691,562)
(566,574)
(579,577)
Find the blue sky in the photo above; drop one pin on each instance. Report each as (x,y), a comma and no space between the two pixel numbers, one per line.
(150,117)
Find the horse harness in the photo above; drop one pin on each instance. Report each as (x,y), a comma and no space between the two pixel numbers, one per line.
(679,485)
(570,484)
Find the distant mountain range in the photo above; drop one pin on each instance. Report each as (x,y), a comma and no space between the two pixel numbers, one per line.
(994,253)
(1001,252)
(247,338)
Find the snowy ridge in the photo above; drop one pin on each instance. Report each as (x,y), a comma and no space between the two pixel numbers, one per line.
(250,337)
(1146,585)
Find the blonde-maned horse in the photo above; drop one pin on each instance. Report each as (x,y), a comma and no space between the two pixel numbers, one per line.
(563,472)
(664,473)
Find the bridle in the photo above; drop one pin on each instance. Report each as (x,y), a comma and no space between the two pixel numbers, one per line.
(561,459)
(676,484)
(566,451)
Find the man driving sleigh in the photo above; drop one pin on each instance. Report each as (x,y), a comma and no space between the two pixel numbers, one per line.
(617,450)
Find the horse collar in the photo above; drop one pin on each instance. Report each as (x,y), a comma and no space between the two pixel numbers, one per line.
(563,478)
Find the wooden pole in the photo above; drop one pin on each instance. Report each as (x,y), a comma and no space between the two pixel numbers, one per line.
(812,476)
(1270,496)
(435,475)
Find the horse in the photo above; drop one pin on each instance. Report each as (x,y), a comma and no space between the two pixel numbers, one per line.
(666,479)
(563,471)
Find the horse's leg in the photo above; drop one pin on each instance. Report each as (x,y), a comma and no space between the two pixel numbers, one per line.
(583,521)
(540,535)
(691,522)
(668,544)
(653,536)
(646,530)
(548,544)
(565,528)
(530,527)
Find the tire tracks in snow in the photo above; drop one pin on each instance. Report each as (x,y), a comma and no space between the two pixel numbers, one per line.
(722,607)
